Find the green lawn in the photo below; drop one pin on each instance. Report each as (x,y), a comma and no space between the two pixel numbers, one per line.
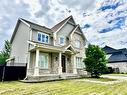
(64,87)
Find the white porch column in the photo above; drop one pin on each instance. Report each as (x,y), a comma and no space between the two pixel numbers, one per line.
(60,64)
(36,69)
(74,65)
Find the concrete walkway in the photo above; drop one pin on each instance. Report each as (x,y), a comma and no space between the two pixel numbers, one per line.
(118,79)
(100,82)
(115,77)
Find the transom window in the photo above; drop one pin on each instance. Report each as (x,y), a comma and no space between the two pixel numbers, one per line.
(79,63)
(62,40)
(42,37)
(43,60)
(77,44)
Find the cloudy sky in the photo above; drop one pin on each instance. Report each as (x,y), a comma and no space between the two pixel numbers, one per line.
(50,12)
(44,12)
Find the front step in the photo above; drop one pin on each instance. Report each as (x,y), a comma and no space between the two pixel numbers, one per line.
(42,78)
(50,77)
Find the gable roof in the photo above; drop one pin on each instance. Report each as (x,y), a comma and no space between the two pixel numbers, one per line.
(15,30)
(74,30)
(37,26)
(124,50)
(81,31)
(31,25)
(117,57)
(60,24)
(109,50)
(69,48)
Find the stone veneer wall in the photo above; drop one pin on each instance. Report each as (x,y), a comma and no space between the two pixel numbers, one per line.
(121,65)
(55,62)
(69,64)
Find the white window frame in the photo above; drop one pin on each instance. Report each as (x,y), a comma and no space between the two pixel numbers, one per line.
(60,40)
(44,38)
(79,62)
(44,65)
(40,38)
(77,42)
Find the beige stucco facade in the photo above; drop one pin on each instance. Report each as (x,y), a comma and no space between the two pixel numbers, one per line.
(19,49)
(61,59)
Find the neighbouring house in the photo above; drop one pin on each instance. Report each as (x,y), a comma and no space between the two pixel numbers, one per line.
(50,53)
(117,59)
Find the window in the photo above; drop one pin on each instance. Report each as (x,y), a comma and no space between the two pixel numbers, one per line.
(77,44)
(42,37)
(62,40)
(79,63)
(39,36)
(47,39)
(43,60)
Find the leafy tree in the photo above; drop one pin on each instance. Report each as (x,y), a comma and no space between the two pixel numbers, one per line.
(5,53)
(95,61)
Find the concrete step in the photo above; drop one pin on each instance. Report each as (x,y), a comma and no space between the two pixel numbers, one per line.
(48,77)
(69,76)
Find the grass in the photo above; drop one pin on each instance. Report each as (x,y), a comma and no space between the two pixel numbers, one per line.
(64,87)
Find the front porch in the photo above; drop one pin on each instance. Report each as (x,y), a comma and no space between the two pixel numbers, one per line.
(59,63)
(51,77)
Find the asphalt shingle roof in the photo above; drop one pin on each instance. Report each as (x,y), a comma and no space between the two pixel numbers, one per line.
(38,27)
(118,55)
(57,26)
(109,50)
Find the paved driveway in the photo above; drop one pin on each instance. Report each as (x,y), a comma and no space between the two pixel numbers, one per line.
(115,77)
(118,79)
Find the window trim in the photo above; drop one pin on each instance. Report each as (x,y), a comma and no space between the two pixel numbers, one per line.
(60,40)
(37,36)
(79,65)
(79,43)
(44,54)
(44,38)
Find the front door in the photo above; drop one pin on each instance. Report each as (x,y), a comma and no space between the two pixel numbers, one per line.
(63,64)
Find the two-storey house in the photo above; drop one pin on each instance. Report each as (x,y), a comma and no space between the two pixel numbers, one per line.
(49,53)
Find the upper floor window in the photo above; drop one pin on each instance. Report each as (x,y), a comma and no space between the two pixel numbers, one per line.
(77,44)
(39,36)
(42,37)
(62,40)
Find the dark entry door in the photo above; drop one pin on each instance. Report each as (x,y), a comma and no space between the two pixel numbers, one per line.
(63,64)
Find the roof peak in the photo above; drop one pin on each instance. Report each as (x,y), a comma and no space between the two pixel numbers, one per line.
(109,47)
(58,25)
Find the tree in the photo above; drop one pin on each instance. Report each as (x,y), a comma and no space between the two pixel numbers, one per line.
(95,60)
(5,53)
